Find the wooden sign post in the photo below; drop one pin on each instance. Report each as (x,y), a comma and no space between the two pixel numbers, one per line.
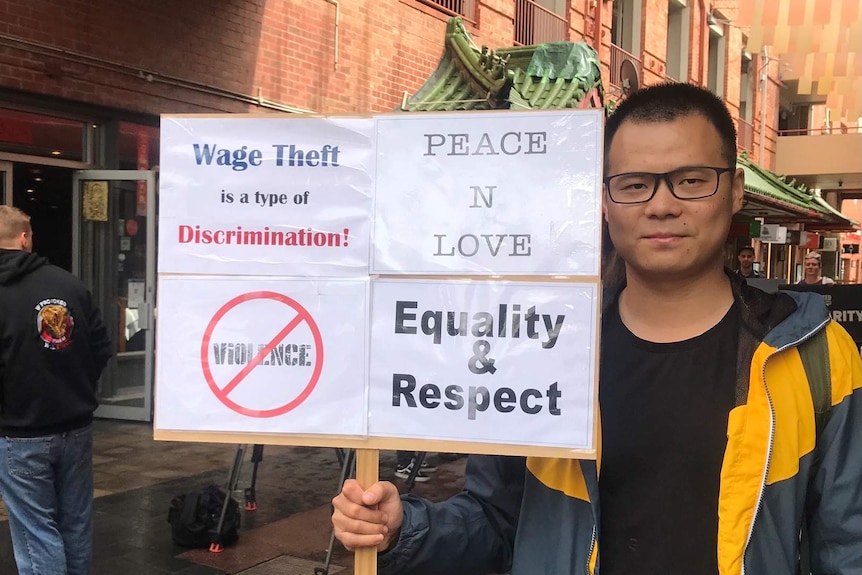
(367,468)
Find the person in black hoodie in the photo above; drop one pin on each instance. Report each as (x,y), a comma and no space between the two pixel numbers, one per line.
(53,348)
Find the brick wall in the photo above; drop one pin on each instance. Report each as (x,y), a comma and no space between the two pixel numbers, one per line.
(144,53)
(699,42)
(171,56)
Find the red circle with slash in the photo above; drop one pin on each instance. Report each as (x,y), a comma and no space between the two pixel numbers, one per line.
(222,392)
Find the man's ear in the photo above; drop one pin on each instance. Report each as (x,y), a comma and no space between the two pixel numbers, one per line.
(738,189)
(26,241)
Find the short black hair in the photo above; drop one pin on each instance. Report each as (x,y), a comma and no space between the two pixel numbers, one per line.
(672,100)
(745,249)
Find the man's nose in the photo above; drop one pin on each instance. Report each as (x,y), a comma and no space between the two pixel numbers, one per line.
(663,202)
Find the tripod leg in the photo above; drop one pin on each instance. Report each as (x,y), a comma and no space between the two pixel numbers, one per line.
(232,479)
(250,492)
(418,459)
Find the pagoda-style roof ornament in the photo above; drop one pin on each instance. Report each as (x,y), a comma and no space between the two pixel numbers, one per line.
(787,201)
(545,76)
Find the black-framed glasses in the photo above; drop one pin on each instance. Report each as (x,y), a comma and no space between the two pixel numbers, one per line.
(687,183)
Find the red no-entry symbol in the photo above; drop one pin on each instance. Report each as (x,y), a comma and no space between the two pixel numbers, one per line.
(302,316)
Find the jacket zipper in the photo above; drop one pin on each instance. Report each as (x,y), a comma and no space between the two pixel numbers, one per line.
(771,431)
(590,554)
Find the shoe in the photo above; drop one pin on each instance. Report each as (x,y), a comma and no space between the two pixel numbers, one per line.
(427,467)
(404,473)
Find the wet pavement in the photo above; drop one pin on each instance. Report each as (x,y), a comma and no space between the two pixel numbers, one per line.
(136,477)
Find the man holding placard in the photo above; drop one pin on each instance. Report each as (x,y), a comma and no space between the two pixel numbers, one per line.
(712,459)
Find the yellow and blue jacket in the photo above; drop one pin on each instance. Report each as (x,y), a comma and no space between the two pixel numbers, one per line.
(539,516)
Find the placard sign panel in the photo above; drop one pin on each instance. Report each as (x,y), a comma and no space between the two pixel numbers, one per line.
(270,231)
(257,195)
(514,193)
(488,362)
(262,355)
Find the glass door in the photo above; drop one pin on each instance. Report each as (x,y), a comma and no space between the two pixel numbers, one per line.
(115,255)
(5,183)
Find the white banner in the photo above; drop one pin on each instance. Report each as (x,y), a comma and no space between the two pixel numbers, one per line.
(488,193)
(275,196)
(493,362)
(262,355)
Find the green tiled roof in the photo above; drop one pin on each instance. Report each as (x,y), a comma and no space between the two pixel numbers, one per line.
(766,184)
(554,75)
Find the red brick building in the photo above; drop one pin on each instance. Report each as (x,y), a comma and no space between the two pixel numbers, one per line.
(83,82)
(324,55)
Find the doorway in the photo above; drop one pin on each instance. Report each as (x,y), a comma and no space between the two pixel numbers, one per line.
(42,192)
(114,215)
(100,226)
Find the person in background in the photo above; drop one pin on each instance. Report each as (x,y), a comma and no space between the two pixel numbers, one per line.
(745,255)
(53,348)
(812,275)
(710,455)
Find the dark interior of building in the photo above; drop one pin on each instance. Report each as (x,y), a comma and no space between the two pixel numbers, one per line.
(45,194)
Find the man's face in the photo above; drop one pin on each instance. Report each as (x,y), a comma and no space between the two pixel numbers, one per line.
(812,267)
(745,258)
(667,238)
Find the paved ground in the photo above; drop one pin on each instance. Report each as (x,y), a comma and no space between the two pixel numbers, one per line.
(136,478)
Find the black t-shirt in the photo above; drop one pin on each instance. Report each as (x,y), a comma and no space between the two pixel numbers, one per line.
(664,409)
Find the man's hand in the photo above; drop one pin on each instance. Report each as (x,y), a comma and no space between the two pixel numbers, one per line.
(367,518)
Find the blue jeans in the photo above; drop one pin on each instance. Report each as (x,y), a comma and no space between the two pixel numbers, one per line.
(47,487)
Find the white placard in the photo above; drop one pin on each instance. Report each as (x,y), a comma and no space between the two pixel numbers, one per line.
(262,355)
(493,362)
(488,193)
(274,196)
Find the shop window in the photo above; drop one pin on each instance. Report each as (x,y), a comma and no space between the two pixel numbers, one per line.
(40,135)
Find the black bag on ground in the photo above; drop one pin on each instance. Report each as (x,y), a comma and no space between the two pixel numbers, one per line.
(194,518)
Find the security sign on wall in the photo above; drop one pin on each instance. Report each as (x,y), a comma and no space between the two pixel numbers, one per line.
(262,355)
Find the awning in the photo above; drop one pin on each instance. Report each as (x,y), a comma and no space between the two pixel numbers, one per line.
(769,196)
